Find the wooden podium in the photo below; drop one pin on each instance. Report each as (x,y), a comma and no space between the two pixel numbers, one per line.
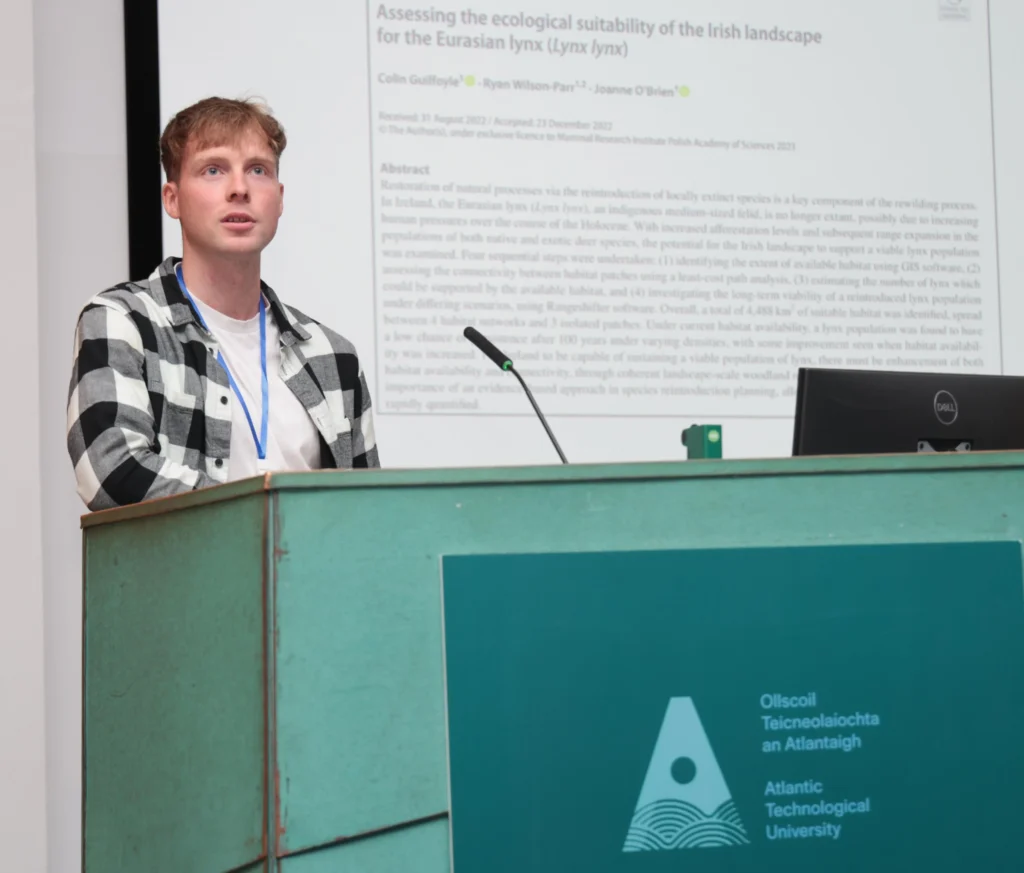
(263,661)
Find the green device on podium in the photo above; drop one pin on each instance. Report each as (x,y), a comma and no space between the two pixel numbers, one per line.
(788,666)
(703,441)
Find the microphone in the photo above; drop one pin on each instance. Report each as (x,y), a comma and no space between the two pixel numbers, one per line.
(504,362)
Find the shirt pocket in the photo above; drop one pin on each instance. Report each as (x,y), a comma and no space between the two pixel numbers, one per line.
(173,410)
(171,380)
(181,400)
(338,423)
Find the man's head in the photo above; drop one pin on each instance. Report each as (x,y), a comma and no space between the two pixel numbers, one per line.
(221,158)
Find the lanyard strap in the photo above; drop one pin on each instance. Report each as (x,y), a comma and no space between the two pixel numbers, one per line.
(261,440)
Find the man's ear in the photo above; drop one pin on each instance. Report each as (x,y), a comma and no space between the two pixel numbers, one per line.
(280,208)
(169,194)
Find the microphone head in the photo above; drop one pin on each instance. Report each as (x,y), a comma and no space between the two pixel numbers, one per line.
(503,361)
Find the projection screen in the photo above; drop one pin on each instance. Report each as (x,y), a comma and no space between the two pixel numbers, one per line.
(659,211)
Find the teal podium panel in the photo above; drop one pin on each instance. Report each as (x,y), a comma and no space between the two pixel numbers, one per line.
(784,710)
(264,676)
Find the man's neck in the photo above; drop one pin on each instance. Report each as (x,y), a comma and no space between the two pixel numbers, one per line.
(230,286)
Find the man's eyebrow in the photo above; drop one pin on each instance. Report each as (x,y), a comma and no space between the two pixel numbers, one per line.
(220,153)
(209,154)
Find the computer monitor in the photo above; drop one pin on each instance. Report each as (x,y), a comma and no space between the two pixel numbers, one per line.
(860,412)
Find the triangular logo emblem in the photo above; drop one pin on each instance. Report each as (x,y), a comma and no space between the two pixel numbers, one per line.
(684,802)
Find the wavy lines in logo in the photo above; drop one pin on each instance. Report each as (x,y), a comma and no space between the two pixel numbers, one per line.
(684,802)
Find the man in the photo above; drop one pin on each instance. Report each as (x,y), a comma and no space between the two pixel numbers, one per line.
(200,374)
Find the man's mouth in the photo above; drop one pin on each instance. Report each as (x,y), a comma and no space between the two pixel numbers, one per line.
(239,218)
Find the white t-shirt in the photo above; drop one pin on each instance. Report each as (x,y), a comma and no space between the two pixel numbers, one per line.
(293,442)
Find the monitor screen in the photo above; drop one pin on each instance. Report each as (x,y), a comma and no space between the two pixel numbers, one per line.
(854,412)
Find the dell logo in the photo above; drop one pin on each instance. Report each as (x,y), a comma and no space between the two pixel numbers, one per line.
(945,407)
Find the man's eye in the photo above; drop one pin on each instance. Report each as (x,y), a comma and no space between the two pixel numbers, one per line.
(209,171)
(259,170)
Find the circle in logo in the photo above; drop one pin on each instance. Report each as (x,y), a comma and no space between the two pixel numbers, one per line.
(684,770)
(946,409)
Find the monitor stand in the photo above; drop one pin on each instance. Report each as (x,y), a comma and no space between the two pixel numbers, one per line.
(944,445)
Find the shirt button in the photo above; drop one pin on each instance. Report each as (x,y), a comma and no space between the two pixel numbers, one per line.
(219,462)
(224,399)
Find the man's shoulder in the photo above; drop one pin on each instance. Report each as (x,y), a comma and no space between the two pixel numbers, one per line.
(127,296)
(322,339)
(145,297)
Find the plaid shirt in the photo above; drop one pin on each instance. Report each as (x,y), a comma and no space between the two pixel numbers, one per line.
(147,415)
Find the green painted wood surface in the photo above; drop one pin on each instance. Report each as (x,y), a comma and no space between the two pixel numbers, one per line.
(408,850)
(365,636)
(358,735)
(361,742)
(173,694)
(697,469)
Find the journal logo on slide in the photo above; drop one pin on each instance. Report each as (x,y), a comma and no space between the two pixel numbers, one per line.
(684,802)
(955,10)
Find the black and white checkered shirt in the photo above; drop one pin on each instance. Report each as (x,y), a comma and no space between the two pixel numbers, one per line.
(145,413)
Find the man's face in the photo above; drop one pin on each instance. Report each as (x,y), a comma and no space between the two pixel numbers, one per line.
(228,198)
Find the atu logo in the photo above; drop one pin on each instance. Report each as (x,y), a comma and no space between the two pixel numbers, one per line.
(946,409)
(684,802)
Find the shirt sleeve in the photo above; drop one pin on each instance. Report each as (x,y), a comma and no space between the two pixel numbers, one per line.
(364,442)
(110,428)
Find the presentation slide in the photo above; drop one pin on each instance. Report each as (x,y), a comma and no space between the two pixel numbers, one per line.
(658,212)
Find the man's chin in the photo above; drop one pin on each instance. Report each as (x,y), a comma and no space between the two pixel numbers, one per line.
(240,247)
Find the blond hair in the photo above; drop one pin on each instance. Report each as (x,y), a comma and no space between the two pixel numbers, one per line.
(215,121)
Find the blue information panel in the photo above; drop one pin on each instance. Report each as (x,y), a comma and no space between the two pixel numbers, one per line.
(792,710)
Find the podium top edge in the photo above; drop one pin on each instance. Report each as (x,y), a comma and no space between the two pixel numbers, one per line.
(560,473)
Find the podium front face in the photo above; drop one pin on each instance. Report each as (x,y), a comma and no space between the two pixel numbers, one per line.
(552,668)
(174,706)
(778,709)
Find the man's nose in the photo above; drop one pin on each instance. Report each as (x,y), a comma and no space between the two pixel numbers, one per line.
(239,187)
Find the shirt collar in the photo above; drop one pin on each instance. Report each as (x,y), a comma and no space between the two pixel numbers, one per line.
(181,311)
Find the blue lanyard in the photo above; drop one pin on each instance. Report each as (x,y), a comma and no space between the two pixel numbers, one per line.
(261,440)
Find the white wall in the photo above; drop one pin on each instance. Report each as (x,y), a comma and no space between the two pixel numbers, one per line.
(63,236)
(83,248)
(22,704)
